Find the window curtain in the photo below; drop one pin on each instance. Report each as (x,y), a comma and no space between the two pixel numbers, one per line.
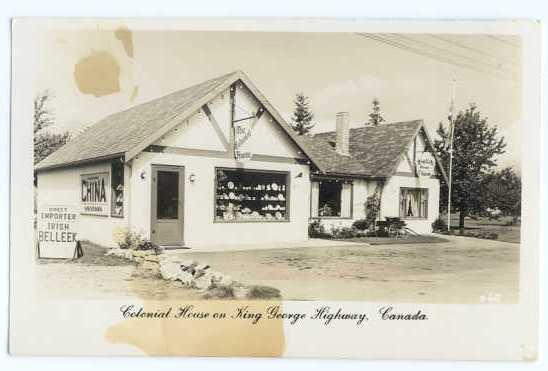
(314,198)
(346,199)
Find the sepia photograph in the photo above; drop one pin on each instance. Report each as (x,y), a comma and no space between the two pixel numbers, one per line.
(280,169)
(253,182)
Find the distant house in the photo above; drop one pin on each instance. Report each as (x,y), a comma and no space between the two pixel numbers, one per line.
(216,164)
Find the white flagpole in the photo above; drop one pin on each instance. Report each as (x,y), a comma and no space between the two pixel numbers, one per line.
(451,131)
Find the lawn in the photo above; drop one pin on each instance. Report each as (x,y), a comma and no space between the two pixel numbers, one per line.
(399,241)
(506,232)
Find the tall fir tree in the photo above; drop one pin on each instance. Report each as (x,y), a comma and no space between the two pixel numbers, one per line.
(375,117)
(302,116)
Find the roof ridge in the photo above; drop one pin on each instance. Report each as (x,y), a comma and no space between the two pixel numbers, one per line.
(417,121)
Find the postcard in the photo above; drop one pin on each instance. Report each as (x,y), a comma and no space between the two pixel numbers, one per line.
(275,188)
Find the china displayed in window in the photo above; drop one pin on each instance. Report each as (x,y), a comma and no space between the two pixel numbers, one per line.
(247,195)
(413,203)
(117,185)
(334,198)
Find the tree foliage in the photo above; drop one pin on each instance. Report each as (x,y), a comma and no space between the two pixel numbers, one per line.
(45,142)
(503,192)
(475,148)
(375,117)
(301,120)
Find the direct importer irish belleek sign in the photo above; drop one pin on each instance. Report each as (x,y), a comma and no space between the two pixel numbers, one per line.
(94,194)
(57,235)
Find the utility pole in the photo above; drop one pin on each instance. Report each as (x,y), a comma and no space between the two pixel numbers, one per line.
(451,132)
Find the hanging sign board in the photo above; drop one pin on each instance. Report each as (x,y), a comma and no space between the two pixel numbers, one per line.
(57,235)
(425,165)
(94,194)
(242,132)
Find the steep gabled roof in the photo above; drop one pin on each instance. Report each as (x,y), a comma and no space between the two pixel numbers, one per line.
(375,151)
(129,132)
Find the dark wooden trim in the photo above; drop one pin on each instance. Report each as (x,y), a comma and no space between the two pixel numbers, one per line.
(287,160)
(88,161)
(188,151)
(232,137)
(405,174)
(216,126)
(222,154)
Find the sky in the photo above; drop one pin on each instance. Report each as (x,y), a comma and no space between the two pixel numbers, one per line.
(97,72)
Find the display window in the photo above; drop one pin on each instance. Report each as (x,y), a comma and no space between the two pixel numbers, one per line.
(117,186)
(251,195)
(413,203)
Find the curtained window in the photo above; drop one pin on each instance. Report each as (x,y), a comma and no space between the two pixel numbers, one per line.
(332,198)
(413,203)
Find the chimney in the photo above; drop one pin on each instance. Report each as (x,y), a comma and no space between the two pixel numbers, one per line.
(342,145)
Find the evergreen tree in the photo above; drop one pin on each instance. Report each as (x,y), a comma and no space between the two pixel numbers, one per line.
(375,117)
(302,116)
(45,143)
(475,147)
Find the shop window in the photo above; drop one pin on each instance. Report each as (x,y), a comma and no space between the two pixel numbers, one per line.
(251,195)
(413,203)
(334,199)
(117,185)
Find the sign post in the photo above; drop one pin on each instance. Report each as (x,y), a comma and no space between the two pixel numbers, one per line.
(57,235)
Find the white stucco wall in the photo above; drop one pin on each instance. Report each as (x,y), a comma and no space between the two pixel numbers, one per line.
(63,187)
(199,227)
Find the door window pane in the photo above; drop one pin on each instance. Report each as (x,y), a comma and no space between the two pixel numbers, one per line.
(167,195)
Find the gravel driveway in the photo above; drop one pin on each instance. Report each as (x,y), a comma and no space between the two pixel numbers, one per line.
(463,270)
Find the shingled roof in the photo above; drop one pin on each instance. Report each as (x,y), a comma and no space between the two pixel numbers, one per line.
(375,151)
(128,132)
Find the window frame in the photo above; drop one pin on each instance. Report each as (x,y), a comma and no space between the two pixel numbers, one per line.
(343,181)
(287,175)
(112,191)
(424,192)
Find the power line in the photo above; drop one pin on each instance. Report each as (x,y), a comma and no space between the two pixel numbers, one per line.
(447,51)
(436,56)
(474,50)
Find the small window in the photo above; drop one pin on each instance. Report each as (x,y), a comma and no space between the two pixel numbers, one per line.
(117,185)
(334,199)
(413,203)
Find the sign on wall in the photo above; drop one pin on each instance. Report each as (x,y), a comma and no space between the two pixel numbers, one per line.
(57,235)
(425,165)
(242,132)
(94,194)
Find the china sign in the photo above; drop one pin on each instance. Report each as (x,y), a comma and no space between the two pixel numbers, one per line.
(94,194)
(57,231)
(425,165)
(242,132)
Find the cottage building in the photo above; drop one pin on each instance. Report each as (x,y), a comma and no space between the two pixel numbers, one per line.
(216,164)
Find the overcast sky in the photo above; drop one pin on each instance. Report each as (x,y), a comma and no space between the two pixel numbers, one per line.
(338,72)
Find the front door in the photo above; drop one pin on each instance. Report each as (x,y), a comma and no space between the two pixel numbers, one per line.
(167,205)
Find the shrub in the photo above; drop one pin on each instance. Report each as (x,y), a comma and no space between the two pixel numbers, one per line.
(361,224)
(343,232)
(317,230)
(439,225)
(127,239)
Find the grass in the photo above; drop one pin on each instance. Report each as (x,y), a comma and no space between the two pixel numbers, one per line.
(394,241)
(93,255)
(502,227)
